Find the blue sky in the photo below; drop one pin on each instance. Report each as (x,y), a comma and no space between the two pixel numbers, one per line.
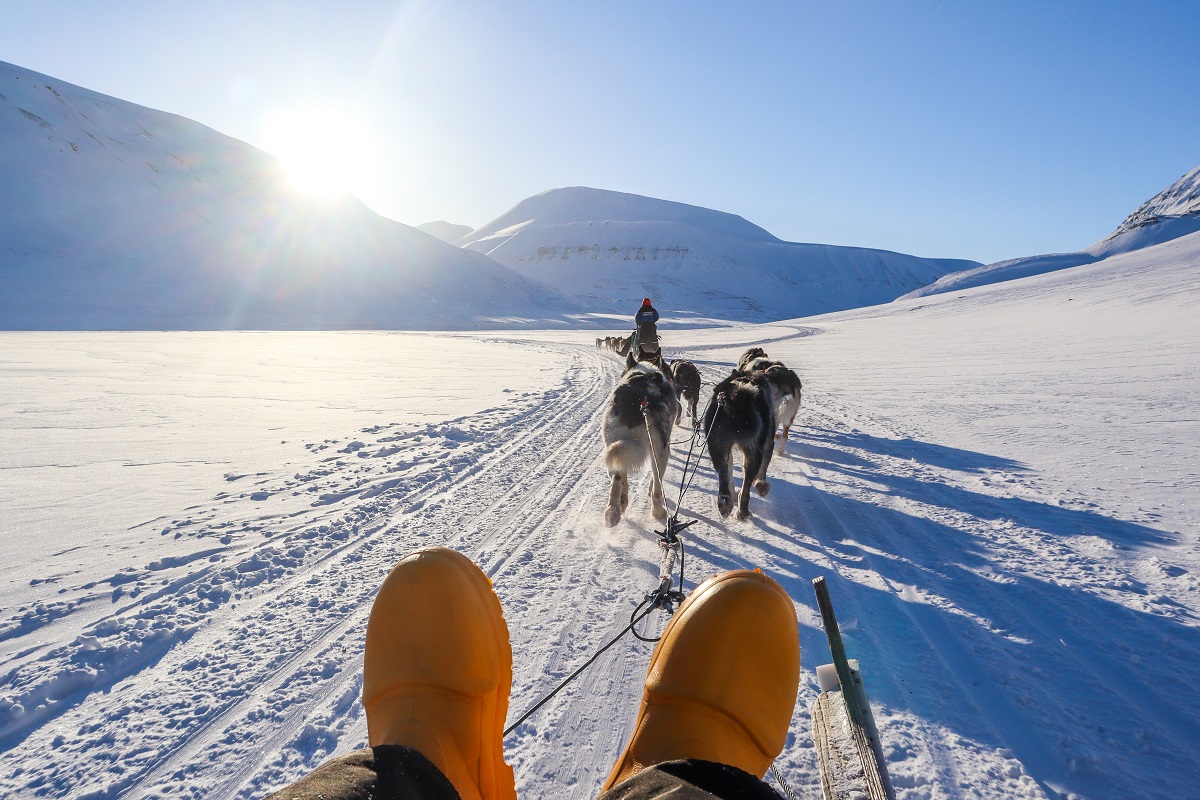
(982,130)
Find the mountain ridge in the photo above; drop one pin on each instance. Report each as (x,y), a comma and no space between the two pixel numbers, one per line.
(116,216)
(1172,213)
(614,247)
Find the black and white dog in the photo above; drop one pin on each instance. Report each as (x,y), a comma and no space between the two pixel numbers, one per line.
(741,414)
(787,387)
(637,429)
(686,378)
(753,353)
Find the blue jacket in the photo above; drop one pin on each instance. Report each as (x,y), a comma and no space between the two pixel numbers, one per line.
(646,315)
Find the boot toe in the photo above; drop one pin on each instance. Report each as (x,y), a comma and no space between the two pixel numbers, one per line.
(722,681)
(438,670)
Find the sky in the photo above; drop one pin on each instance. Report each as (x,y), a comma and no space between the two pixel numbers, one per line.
(976,130)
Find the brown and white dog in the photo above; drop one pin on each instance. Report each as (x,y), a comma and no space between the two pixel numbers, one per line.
(686,378)
(637,429)
(748,356)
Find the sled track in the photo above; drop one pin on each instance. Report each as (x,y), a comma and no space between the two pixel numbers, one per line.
(452,520)
(551,445)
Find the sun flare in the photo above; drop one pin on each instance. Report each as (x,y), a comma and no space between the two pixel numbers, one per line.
(323,151)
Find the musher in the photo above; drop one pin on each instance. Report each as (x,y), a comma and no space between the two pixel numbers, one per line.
(645,337)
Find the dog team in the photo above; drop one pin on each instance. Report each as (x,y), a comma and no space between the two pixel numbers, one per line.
(745,411)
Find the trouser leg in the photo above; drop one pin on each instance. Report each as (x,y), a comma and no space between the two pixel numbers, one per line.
(385,772)
(691,779)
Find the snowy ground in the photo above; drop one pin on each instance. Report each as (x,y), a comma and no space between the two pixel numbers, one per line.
(1000,484)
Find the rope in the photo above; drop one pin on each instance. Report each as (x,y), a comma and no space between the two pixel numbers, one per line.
(662,596)
(786,789)
(686,482)
(649,439)
(634,620)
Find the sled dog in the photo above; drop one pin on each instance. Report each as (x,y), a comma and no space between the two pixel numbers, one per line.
(686,378)
(743,364)
(655,358)
(741,414)
(635,434)
(786,386)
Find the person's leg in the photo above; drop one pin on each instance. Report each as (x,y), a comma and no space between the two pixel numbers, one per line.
(691,779)
(720,692)
(387,772)
(436,677)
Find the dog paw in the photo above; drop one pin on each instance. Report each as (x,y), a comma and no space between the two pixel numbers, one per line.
(659,512)
(612,515)
(763,488)
(744,514)
(725,505)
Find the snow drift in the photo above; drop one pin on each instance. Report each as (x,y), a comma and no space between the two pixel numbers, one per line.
(115,216)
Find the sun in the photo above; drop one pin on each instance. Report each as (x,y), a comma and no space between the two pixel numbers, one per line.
(323,151)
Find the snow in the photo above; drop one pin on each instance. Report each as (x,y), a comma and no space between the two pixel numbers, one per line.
(999,480)
(603,247)
(1170,214)
(1174,204)
(446,231)
(119,217)
(1000,485)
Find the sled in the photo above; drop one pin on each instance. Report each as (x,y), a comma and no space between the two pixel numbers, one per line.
(641,345)
(849,754)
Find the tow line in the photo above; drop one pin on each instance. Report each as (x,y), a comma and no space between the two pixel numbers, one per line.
(671,547)
(662,596)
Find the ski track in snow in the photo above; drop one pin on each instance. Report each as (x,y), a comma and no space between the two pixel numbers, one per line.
(933,555)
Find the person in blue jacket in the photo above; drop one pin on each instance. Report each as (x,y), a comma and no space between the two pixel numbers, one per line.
(646,336)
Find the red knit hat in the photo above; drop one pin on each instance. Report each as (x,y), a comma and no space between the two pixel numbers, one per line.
(646,301)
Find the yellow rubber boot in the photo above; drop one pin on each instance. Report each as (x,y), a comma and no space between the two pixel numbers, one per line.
(438,670)
(722,681)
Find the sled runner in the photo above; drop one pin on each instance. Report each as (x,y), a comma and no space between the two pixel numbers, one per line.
(849,754)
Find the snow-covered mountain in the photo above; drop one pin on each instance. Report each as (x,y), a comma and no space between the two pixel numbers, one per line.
(1173,212)
(610,249)
(446,231)
(115,216)
(1170,214)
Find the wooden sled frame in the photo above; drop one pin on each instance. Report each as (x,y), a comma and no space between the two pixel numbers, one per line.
(849,753)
